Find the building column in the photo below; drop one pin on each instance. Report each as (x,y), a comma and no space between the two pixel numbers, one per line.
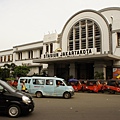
(51,71)
(72,70)
(100,67)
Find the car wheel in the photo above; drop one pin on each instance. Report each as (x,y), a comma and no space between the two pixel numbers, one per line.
(66,95)
(113,92)
(14,111)
(39,94)
(88,91)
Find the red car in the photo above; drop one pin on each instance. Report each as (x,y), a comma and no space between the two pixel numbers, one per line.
(77,86)
(93,86)
(113,86)
(13,83)
(83,84)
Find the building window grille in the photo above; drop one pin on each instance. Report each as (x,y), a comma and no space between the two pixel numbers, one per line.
(20,56)
(47,48)
(8,58)
(4,58)
(30,54)
(118,39)
(40,52)
(1,59)
(71,40)
(51,48)
(85,34)
(11,58)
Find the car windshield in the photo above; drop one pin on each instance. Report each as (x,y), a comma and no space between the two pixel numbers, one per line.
(66,83)
(8,87)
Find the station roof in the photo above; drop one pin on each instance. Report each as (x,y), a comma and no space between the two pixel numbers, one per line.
(85,58)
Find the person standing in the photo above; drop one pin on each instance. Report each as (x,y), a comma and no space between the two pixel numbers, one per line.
(23,87)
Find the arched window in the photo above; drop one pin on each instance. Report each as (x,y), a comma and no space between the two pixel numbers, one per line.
(84,34)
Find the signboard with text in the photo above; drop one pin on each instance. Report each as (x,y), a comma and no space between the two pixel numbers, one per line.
(72,53)
(116,73)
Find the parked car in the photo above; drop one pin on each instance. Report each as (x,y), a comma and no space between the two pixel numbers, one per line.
(83,84)
(14,102)
(104,86)
(76,84)
(93,86)
(47,86)
(113,86)
(13,83)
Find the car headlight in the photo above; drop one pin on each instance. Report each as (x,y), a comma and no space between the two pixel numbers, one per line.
(26,99)
(71,90)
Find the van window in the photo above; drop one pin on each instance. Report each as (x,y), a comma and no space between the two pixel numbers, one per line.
(21,80)
(59,83)
(29,80)
(38,81)
(41,81)
(49,82)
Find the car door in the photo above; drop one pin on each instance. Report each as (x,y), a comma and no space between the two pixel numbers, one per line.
(2,99)
(48,89)
(59,89)
(27,84)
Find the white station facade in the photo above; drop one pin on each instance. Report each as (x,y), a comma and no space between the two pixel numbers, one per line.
(89,42)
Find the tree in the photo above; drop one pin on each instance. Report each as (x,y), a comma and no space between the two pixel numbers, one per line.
(6,66)
(12,67)
(4,73)
(9,68)
(13,71)
(1,71)
(21,71)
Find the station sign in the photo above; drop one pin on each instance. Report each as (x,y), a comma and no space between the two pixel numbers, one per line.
(72,53)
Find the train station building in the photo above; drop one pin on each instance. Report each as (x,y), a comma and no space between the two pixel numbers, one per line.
(88,43)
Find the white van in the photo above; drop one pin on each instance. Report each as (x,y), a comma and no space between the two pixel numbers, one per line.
(46,86)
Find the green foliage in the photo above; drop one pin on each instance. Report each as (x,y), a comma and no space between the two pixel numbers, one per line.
(8,79)
(21,71)
(99,75)
(9,71)
(6,66)
(4,73)
(12,66)
(44,72)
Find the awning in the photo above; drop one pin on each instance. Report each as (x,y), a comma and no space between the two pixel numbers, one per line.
(105,57)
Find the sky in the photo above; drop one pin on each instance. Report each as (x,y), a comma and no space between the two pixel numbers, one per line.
(27,21)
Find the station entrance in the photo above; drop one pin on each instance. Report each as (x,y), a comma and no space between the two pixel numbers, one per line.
(85,70)
(82,70)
